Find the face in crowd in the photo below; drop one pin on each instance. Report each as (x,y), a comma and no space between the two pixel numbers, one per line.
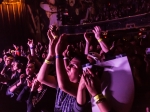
(16,66)
(74,70)
(8,61)
(30,69)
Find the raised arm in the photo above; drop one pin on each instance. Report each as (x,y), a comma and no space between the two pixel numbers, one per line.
(81,95)
(97,32)
(87,40)
(93,85)
(63,80)
(66,57)
(31,46)
(43,75)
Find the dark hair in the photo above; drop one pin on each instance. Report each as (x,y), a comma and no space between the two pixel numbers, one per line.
(82,58)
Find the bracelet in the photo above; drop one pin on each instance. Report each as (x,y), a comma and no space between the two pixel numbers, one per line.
(58,56)
(32,47)
(99,40)
(48,62)
(99,97)
(65,58)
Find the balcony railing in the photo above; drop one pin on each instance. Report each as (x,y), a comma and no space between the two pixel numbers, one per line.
(136,21)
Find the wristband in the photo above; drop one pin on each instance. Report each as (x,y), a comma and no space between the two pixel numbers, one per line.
(48,62)
(99,40)
(65,58)
(99,97)
(32,47)
(58,56)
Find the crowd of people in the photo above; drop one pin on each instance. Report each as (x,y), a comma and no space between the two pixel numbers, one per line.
(50,77)
(83,11)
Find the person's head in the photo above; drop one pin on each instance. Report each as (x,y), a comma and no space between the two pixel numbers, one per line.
(74,69)
(30,69)
(16,65)
(8,60)
(71,3)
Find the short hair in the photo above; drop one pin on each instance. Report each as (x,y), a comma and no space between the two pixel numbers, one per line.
(82,58)
(9,56)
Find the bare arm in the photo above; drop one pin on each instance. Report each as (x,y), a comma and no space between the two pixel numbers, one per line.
(66,59)
(14,87)
(97,31)
(31,45)
(92,83)
(81,95)
(17,84)
(43,76)
(103,106)
(63,80)
(87,39)
(3,71)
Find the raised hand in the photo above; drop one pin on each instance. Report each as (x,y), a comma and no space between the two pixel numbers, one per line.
(30,43)
(66,52)
(97,32)
(29,83)
(52,46)
(87,38)
(92,82)
(14,46)
(35,85)
(52,32)
(22,76)
(61,44)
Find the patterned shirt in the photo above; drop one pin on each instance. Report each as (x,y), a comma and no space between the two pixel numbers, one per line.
(64,102)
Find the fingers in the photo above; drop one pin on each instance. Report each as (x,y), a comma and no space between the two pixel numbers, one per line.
(49,35)
(28,81)
(87,82)
(94,31)
(68,47)
(90,72)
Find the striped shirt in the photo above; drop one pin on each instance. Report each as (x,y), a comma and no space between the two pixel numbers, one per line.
(64,102)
